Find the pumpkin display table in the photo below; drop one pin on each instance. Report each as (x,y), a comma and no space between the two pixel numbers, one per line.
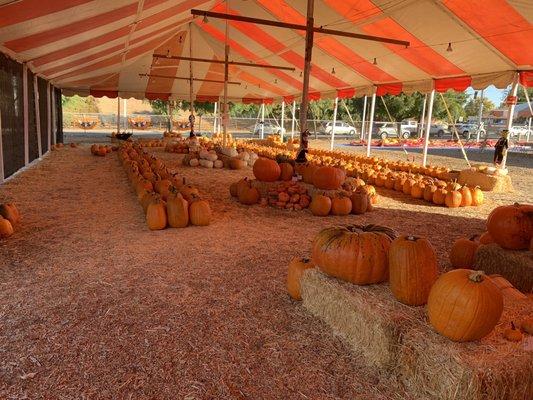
(398,340)
(486,182)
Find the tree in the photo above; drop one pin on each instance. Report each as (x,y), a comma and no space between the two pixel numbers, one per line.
(472,107)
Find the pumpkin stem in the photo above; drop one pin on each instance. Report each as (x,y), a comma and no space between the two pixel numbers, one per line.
(473,238)
(513,327)
(412,238)
(476,276)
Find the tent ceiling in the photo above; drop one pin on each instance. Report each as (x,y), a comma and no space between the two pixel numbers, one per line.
(101,46)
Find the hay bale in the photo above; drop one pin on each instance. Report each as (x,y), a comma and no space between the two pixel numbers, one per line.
(488,183)
(398,340)
(515,266)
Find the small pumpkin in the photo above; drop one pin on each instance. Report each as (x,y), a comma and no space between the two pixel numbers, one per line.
(297,266)
(417,190)
(463,252)
(464,305)
(199,211)
(429,191)
(188,191)
(10,212)
(248,195)
(511,226)
(266,170)
(439,196)
(328,178)
(236,163)
(6,229)
(513,334)
(341,205)
(156,215)
(453,199)
(477,196)
(177,210)
(287,171)
(320,205)
(485,238)
(466,196)
(412,269)
(360,202)
(527,326)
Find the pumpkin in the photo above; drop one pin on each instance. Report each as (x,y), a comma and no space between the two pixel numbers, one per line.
(341,205)
(328,178)
(463,252)
(466,196)
(194,162)
(199,211)
(233,189)
(266,170)
(156,215)
(308,172)
(477,196)
(287,171)
(464,305)
(10,212)
(236,163)
(354,253)
(511,226)
(398,183)
(527,326)
(297,266)
(485,238)
(360,202)
(408,186)
(147,198)
(162,187)
(6,229)
(417,190)
(412,269)
(513,334)
(320,205)
(453,199)
(429,190)
(177,210)
(188,191)
(439,197)
(248,195)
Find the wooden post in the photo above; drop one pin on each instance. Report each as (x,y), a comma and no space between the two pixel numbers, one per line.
(334,123)
(226,77)
(282,118)
(309,34)
(421,125)
(49,114)
(54,119)
(191,85)
(1,153)
(293,118)
(428,127)
(371,123)
(37,115)
(118,114)
(215,118)
(26,114)
(514,91)
(364,116)
(262,120)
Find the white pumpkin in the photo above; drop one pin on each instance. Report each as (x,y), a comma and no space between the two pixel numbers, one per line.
(218,164)
(194,162)
(206,163)
(229,151)
(212,157)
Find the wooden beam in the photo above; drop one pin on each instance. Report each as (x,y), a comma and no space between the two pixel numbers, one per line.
(309,35)
(299,27)
(207,60)
(183,78)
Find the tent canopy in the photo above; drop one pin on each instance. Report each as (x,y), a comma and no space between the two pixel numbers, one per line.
(103,47)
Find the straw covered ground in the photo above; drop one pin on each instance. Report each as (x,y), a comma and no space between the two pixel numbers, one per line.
(93,305)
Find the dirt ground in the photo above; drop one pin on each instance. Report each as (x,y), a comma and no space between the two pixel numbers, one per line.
(93,305)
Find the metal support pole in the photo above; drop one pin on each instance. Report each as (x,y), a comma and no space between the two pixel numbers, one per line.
(334,123)
(191,84)
(49,114)
(480,115)
(309,34)
(26,114)
(528,129)
(226,75)
(371,123)
(282,118)
(54,116)
(428,127)
(421,125)
(118,114)
(364,117)
(215,118)
(514,91)
(531,112)
(293,118)
(262,120)
(37,115)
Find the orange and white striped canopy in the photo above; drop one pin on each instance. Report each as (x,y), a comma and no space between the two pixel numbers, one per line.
(104,47)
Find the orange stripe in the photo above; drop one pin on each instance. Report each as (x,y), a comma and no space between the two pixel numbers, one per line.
(459,84)
(390,88)
(215,72)
(354,10)
(257,81)
(425,58)
(526,78)
(331,46)
(346,93)
(492,19)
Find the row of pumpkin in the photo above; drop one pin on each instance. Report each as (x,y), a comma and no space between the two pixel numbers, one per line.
(165,197)
(9,219)
(373,254)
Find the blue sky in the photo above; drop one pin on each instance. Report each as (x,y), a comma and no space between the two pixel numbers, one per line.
(492,93)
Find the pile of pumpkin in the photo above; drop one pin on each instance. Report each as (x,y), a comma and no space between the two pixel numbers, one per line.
(203,158)
(9,218)
(166,199)
(371,254)
(102,150)
(152,143)
(433,190)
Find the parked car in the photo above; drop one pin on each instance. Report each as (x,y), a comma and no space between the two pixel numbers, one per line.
(341,128)
(392,130)
(466,130)
(270,129)
(438,130)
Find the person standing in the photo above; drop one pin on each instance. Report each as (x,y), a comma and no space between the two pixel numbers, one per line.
(501,146)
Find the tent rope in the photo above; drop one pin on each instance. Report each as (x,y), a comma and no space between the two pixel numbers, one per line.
(454,129)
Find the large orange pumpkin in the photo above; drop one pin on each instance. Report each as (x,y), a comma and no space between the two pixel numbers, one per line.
(511,226)
(329,178)
(266,170)
(156,215)
(464,305)
(341,205)
(177,210)
(308,172)
(199,212)
(412,269)
(354,253)
(463,252)
(297,267)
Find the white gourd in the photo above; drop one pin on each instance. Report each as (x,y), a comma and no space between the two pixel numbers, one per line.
(212,157)
(218,164)
(193,162)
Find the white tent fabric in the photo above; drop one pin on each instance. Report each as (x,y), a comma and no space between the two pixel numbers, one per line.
(103,47)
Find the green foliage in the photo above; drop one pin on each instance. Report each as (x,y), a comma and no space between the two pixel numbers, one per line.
(77,104)
(472,106)
(161,107)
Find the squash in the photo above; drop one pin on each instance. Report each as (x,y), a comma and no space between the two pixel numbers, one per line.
(297,266)
(453,199)
(341,205)
(463,252)
(466,196)
(266,170)
(328,178)
(477,196)
(218,164)
(439,197)
(464,305)
(417,190)
(511,226)
(360,200)
(194,162)
(429,191)
(320,205)
(10,212)
(412,269)
(6,229)
(177,210)
(156,215)
(354,253)
(199,211)
(287,171)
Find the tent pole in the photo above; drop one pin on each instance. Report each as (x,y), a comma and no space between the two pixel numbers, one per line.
(528,129)
(191,85)
(514,91)
(422,116)
(531,112)
(364,116)
(215,118)
(1,153)
(54,116)
(282,118)
(293,118)
(371,123)
(428,127)
(480,115)
(49,114)
(334,123)
(37,115)
(262,120)
(309,34)
(26,114)
(118,114)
